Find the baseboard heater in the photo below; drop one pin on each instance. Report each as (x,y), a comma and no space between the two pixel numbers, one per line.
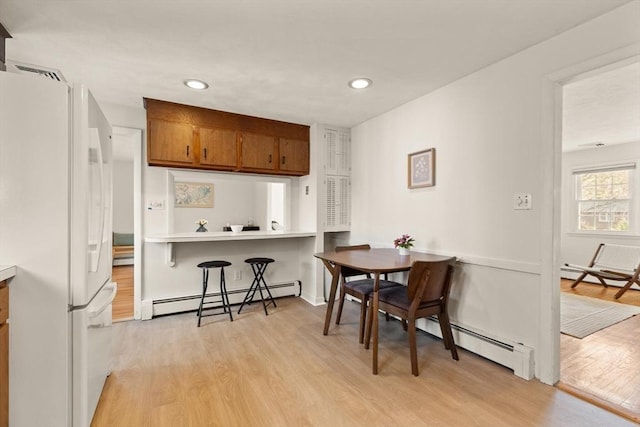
(175,305)
(515,356)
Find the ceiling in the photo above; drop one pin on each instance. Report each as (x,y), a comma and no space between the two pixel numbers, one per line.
(602,109)
(287,60)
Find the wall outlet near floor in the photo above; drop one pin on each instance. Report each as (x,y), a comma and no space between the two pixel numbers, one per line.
(522,201)
(237,275)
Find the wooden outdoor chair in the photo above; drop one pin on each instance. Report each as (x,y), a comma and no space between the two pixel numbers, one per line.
(426,294)
(611,262)
(359,288)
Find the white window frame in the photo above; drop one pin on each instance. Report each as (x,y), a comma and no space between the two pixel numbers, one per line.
(634,195)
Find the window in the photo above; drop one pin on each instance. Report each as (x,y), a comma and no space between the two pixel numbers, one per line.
(604,199)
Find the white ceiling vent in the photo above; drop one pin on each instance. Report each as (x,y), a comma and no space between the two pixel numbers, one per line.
(45,72)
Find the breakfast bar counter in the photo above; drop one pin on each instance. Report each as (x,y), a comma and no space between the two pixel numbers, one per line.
(224,236)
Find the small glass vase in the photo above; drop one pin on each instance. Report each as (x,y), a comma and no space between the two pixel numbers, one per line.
(201,229)
(403,251)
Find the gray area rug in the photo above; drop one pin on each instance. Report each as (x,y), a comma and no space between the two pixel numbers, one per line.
(581,316)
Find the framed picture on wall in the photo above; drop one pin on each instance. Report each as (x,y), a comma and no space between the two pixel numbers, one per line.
(422,168)
(193,195)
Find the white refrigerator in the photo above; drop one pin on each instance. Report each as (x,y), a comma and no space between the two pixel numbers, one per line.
(55,226)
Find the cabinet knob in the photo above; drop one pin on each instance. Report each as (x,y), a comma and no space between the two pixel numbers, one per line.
(187,151)
(205,154)
(284,159)
(269,158)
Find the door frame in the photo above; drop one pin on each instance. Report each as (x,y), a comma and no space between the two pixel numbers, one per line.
(549,332)
(135,135)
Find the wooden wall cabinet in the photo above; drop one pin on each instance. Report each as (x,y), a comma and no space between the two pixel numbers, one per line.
(258,152)
(4,354)
(170,143)
(218,148)
(199,138)
(294,156)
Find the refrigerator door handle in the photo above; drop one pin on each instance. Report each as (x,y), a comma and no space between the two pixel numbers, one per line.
(95,313)
(94,259)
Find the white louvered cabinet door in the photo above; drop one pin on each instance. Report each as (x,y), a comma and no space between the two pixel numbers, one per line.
(331,217)
(337,152)
(338,209)
(343,153)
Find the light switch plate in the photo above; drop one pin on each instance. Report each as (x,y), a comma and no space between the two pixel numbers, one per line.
(155,205)
(522,201)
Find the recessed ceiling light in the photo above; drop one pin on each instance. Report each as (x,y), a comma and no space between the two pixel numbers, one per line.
(196,84)
(360,83)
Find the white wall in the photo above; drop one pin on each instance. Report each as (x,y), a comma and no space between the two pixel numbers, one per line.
(122,197)
(490,143)
(578,248)
(234,202)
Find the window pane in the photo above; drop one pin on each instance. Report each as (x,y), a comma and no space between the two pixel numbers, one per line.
(604,200)
(620,221)
(604,178)
(588,192)
(620,191)
(586,216)
(603,191)
(602,217)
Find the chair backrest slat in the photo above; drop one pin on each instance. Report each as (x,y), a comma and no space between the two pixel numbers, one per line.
(439,279)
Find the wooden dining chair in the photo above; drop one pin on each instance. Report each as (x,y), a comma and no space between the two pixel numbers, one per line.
(426,294)
(359,288)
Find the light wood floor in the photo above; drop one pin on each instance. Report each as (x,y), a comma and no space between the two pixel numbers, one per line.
(279,370)
(604,367)
(123,302)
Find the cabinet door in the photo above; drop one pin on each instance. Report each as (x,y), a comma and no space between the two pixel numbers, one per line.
(294,156)
(169,143)
(257,152)
(338,203)
(219,148)
(338,152)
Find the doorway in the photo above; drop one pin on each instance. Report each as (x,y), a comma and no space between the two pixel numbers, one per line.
(600,129)
(127,146)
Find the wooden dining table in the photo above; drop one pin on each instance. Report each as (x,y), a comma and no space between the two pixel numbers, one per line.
(376,261)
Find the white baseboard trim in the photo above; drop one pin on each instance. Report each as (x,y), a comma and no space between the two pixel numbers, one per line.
(181,304)
(515,356)
(122,261)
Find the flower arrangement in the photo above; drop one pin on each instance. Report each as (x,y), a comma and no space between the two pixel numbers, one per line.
(201,223)
(404,241)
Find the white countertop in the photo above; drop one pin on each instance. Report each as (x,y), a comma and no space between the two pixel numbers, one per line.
(223,236)
(7,272)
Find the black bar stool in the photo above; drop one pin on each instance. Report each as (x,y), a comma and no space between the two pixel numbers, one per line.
(258,265)
(205,266)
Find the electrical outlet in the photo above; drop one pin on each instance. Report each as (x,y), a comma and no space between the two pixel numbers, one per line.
(237,275)
(522,201)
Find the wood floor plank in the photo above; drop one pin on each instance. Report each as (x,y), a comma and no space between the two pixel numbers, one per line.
(279,370)
(604,366)
(122,308)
